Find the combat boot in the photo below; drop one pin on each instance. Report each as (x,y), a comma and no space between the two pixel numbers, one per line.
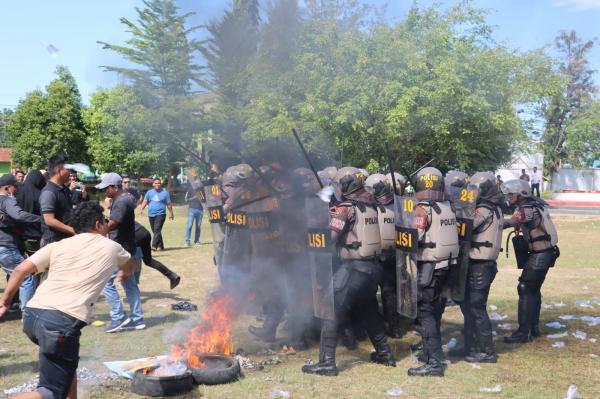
(417,347)
(482,357)
(174,280)
(383,355)
(433,368)
(267,332)
(326,366)
(535,331)
(518,337)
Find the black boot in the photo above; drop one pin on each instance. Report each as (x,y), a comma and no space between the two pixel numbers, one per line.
(267,332)
(535,331)
(174,279)
(482,357)
(326,365)
(383,355)
(518,337)
(433,368)
(349,339)
(417,347)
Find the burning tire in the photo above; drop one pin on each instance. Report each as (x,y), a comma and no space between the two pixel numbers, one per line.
(154,385)
(218,369)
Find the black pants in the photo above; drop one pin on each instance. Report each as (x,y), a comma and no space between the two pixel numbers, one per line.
(156,224)
(429,290)
(355,284)
(299,301)
(535,187)
(478,327)
(57,335)
(234,270)
(529,289)
(143,241)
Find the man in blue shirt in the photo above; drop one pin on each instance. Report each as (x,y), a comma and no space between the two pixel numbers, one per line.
(158,201)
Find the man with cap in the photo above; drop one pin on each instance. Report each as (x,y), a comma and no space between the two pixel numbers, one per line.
(11,215)
(55,203)
(121,227)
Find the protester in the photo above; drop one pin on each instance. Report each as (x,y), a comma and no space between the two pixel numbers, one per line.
(80,267)
(524,175)
(28,198)
(78,190)
(10,217)
(20,176)
(194,197)
(499,180)
(121,226)
(131,190)
(142,240)
(158,201)
(536,179)
(55,203)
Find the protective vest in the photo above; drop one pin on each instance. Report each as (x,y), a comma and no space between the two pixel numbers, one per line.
(486,241)
(387,229)
(440,242)
(363,240)
(543,236)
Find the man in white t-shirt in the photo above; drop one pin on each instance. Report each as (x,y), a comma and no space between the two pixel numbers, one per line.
(78,268)
(536,179)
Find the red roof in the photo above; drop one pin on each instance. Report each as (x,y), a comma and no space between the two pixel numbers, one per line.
(5,154)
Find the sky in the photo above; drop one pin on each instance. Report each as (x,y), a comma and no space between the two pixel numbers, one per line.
(73,27)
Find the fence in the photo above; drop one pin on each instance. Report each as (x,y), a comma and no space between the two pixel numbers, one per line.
(576,179)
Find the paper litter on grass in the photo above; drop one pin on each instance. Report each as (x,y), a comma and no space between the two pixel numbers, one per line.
(546,306)
(493,307)
(593,340)
(572,392)
(496,389)
(555,324)
(580,335)
(505,326)
(584,303)
(394,392)
(497,317)
(278,393)
(568,317)
(592,320)
(560,304)
(593,355)
(474,365)
(558,344)
(558,335)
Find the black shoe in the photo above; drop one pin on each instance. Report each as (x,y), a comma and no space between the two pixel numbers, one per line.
(535,331)
(462,352)
(326,368)
(422,357)
(175,280)
(432,369)
(264,334)
(349,339)
(385,358)
(517,337)
(482,358)
(417,347)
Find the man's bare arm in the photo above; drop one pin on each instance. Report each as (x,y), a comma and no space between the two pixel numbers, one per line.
(24,269)
(56,224)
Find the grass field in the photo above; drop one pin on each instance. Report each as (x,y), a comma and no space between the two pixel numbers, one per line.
(535,370)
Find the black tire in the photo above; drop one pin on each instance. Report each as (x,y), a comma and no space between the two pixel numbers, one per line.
(221,370)
(149,385)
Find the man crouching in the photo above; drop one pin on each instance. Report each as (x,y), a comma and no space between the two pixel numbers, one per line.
(80,267)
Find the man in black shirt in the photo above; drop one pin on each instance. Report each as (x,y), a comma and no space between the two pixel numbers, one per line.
(78,190)
(55,203)
(121,226)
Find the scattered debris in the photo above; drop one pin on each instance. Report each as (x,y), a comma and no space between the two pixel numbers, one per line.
(268,378)
(447,362)
(558,335)
(593,340)
(288,350)
(593,356)
(585,287)
(496,389)
(592,320)
(560,304)
(568,317)
(278,393)
(558,344)
(267,352)
(584,303)
(83,374)
(596,300)
(26,387)
(572,392)
(247,363)
(555,324)
(308,362)
(497,317)
(546,306)
(493,307)
(450,345)
(161,305)
(505,326)
(184,306)
(474,365)
(394,392)
(580,335)
(98,323)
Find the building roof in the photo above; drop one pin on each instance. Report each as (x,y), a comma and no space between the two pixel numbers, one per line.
(5,154)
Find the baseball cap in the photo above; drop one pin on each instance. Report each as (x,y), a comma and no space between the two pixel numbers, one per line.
(8,180)
(109,179)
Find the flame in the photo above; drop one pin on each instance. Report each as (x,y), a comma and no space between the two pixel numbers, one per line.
(212,334)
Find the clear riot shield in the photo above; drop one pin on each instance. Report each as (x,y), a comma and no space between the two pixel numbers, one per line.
(407,240)
(464,200)
(216,218)
(320,256)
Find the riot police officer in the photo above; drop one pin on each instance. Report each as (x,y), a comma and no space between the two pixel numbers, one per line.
(381,187)
(355,232)
(536,230)
(485,245)
(438,249)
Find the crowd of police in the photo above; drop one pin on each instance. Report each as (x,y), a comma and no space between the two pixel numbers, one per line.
(318,247)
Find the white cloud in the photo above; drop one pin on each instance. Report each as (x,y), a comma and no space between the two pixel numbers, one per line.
(577,5)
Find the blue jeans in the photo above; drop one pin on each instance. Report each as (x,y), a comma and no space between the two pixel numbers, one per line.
(9,260)
(193,214)
(114,301)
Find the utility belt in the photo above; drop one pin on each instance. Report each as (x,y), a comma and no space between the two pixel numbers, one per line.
(478,245)
(427,245)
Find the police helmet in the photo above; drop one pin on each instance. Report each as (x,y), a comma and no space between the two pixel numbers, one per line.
(516,186)
(377,184)
(485,183)
(327,175)
(349,179)
(400,181)
(429,178)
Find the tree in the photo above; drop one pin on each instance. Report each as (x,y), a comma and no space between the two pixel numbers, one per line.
(574,98)
(5,115)
(583,136)
(161,49)
(48,123)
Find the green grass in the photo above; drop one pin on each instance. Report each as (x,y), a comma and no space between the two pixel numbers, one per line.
(535,370)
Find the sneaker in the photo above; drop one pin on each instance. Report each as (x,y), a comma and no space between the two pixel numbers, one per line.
(135,325)
(117,325)
(197,243)
(187,244)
